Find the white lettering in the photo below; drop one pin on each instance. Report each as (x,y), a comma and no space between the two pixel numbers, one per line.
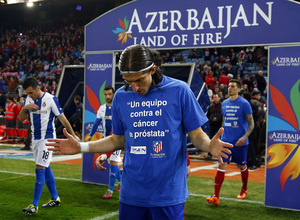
(257,9)
(175,21)
(221,17)
(192,17)
(148,29)
(207,18)
(163,21)
(135,20)
(241,15)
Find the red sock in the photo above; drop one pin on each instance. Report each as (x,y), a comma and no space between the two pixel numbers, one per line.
(219,181)
(245,174)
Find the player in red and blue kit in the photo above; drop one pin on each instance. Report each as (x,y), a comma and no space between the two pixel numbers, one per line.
(238,124)
(151,116)
(42,109)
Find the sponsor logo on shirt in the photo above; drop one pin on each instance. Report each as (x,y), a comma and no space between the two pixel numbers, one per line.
(157,146)
(108,117)
(138,150)
(39,112)
(228,124)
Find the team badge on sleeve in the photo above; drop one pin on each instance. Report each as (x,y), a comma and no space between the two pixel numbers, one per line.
(44,104)
(157,146)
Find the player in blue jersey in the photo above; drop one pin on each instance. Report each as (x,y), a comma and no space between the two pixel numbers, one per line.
(238,124)
(151,116)
(42,109)
(104,116)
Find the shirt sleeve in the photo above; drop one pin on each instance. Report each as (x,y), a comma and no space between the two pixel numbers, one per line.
(117,124)
(193,115)
(57,110)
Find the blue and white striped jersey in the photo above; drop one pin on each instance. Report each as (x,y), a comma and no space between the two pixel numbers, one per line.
(42,120)
(104,114)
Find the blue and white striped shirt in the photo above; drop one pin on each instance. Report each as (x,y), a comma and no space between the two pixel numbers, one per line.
(42,120)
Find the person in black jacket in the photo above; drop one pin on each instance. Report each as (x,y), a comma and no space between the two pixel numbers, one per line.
(215,118)
(77,118)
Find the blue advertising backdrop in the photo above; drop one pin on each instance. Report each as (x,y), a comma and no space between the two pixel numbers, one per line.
(283,153)
(98,74)
(195,23)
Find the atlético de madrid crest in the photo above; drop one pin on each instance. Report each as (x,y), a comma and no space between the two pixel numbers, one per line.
(157,146)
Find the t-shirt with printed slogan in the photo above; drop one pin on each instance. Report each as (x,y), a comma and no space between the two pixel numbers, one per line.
(155,127)
(235,122)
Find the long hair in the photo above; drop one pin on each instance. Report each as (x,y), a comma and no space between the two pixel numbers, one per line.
(138,57)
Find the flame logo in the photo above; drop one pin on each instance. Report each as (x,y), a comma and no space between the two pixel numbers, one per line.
(274,62)
(122,31)
(271,137)
(95,104)
(289,120)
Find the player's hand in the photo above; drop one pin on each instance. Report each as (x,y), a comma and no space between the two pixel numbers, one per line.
(100,161)
(188,170)
(241,141)
(64,146)
(219,148)
(31,106)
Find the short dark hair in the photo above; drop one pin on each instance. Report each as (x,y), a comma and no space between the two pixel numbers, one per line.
(10,97)
(30,82)
(238,83)
(256,92)
(217,94)
(247,96)
(77,97)
(109,87)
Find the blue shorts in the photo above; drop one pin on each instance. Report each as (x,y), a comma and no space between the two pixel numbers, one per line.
(129,212)
(238,155)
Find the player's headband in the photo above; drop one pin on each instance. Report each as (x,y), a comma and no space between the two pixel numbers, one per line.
(142,70)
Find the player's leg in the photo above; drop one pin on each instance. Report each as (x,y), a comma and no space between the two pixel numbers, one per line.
(241,160)
(39,154)
(112,179)
(116,158)
(39,184)
(50,182)
(219,179)
(119,177)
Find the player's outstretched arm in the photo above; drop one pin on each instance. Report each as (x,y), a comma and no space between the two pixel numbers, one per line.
(72,146)
(64,146)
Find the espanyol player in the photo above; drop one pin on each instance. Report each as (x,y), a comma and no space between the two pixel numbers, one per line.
(42,109)
(104,116)
(151,115)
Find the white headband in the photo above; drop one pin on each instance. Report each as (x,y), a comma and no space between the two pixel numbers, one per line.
(142,70)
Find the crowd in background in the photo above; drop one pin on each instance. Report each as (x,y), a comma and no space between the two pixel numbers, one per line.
(218,65)
(42,52)
(36,51)
(39,52)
